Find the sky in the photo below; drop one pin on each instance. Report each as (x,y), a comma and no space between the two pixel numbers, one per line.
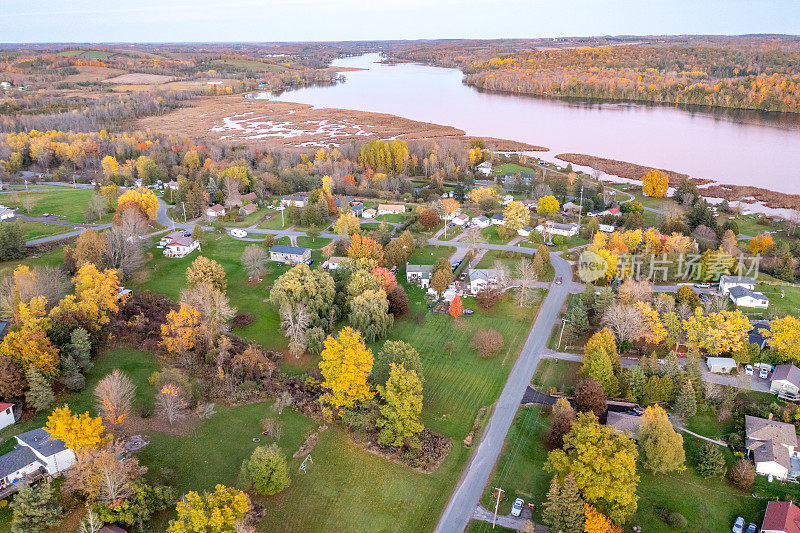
(32,21)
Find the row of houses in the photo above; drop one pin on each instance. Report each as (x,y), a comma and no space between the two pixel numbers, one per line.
(477,278)
(356,208)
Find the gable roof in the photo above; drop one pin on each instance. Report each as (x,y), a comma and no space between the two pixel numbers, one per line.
(781,516)
(250,196)
(217,208)
(292,250)
(788,373)
(737,279)
(5,405)
(759,430)
(40,440)
(742,292)
(757,334)
(772,452)
(419,268)
(16,459)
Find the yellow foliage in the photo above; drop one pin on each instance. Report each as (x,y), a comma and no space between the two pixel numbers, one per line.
(178,333)
(479,193)
(346,364)
(547,205)
(655,184)
(144,198)
(596,522)
(656,332)
(77,431)
(32,347)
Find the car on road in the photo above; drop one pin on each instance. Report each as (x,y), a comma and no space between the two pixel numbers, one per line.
(703,297)
(748,369)
(751,528)
(516,507)
(764,372)
(703,285)
(45,214)
(738,526)
(238,233)
(558,280)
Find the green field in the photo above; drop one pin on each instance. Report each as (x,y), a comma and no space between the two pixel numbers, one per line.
(33,230)
(274,222)
(308,242)
(430,253)
(247,64)
(392,218)
(557,373)
(69,204)
(490,235)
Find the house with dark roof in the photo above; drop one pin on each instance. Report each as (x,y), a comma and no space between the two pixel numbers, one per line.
(743,297)
(785,381)
(36,454)
(781,517)
(498,218)
(289,254)
(773,447)
(759,334)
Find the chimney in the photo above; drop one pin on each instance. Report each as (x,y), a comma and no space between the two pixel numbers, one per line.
(770,416)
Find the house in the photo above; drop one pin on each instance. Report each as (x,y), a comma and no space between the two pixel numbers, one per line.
(481,221)
(530,204)
(250,197)
(460,219)
(507,199)
(742,297)
(772,445)
(419,274)
(178,244)
(781,517)
(172,184)
(556,228)
(215,211)
(294,200)
(720,365)
(289,254)
(247,209)
(785,381)
(482,277)
(525,232)
(759,334)
(357,209)
(6,414)
(571,208)
(6,212)
(484,168)
(615,211)
(36,454)
(333,263)
(606,228)
(369,213)
(498,219)
(726,283)
(391,209)
(624,423)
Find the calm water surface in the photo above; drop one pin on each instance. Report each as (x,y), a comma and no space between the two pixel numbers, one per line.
(736,147)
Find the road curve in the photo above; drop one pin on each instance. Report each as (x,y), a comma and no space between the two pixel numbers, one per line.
(462,504)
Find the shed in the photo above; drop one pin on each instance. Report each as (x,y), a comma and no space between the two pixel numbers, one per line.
(720,365)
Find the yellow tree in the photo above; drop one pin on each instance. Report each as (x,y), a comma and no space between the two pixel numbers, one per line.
(206,270)
(784,336)
(760,243)
(326,186)
(179,332)
(191,160)
(77,431)
(32,347)
(632,239)
(95,295)
(33,315)
(516,216)
(365,252)
(655,183)
(216,512)
(656,332)
(725,331)
(346,224)
(346,364)
(480,193)
(110,166)
(142,198)
(451,206)
(547,205)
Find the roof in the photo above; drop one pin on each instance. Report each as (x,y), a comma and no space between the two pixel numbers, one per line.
(737,279)
(419,268)
(772,452)
(760,430)
(758,334)
(249,196)
(527,228)
(788,373)
(391,207)
(181,240)
(782,516)
(336,259)
(16,459)
(623,422)
(462,216)
(292,250)
(483,274)
(480,218)
(5,405)
(249,208)
(742,292)
(217,208)
(498,216)
(41,441)
(720,361)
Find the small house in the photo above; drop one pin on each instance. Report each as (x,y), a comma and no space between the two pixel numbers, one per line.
(172,184)
(215,211)
(391,209)
(726,283)
(333,263)
(571,208)
(481,221)
(178,244)
(484,168)
(743,297)
(357,209)
(781,517)
(556,228)
(250,197)
(507,199)
(369,213)
(247,209)
(460,219)
(6,414)
(294,200)
(771,444)
(525,232)
(338,201)
(37,454)
(289,254)
(498,219)
(720,365)
(785,381)
(480,278)
(759,334)
(6,212)
(419,274)
(606,228)
(624,423)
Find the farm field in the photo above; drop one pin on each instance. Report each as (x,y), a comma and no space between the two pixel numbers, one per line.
(68,204)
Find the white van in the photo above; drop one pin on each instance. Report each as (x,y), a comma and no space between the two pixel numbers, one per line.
(238,233)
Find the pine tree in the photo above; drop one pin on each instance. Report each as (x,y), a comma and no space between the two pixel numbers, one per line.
(662,447)
(686,402)
(35,509)
(71,376)
(564,508)
(40,394)
(711,462)
(80,348)
(671,366)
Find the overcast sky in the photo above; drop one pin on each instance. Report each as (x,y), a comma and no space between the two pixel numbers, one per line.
(327,20)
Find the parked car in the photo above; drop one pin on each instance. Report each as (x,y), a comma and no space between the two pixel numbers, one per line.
(703,297)
(748,369)
(558,280)
(238,233)
(751,528)
(310,262)
(764,372)
(468,311)
(703,285)
(516,507)
(738,526)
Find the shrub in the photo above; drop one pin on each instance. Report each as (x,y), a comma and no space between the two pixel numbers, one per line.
(487,342)
(242,319)
(677,520)
(266,470)
(742,474)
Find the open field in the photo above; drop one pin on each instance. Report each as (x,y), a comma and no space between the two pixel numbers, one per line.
(42,229)
(557,373)
(139,78)
(430,253)
(92,74)
(69,204)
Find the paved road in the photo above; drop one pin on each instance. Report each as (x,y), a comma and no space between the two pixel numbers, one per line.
(464,500)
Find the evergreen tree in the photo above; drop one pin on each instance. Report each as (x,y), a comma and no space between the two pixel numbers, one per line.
(564,509)
(35,509)
(40,394)
(634,381)
(671,366)
(80,348)
(661,446)
(71,376)
(686,402)
(577,322)
(711,462)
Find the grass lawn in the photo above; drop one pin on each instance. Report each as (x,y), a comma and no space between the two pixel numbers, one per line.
(511,168)
(490,234)
(452,233)
(395,217)
(563,375)
(788,304)
(370,226)
(510,260)
(249,220)
(274,222)
(52,258)
(430,253)
(33,230)
(69,204)
(285,240)
(308,242)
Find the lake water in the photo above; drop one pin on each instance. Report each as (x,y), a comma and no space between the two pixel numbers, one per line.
(729,146)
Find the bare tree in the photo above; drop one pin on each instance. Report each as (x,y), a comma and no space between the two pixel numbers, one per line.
(102,476)
(294,322)
(170,403)
(684,310)
(527,274)
(49,282)
(254,260)
(233,196)
(114,395)
(214,306)
(664,303)
(91,523)
(625,321)
(96,208)
(126,243)
(635,291)
(475,237)
(27,202)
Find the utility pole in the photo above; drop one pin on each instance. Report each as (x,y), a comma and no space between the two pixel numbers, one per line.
(580,211)
(184,211)
(563,324)
(497,504)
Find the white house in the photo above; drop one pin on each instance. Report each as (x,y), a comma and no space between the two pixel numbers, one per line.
(289,254)
(772,445)
(525,232)
(171,185)
(391,209)
(460,219)
(6,414)
(481,277)
(178,244)
(720,365)
(481,221)
(785,380)
(726,283)
(606,228)
(369,213)
(507,199)
(484,168)
(215,211)
(747,298)
(556,228)
(419,274)
(294,200)
(6,212)
(36,453)
(498,219)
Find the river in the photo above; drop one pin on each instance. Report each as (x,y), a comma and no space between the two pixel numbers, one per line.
(728,146)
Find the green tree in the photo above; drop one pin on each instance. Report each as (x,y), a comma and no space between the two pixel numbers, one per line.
(564,509)
(265,470)
(313,288)
(71,376)
(35,509)
(399,353)
(662,446)
(441,280)
(603,463)
(80,348)
(12,241)
(686,402)
(369,313)
(710,462)
(140,507)
(40,393)
(400,414)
